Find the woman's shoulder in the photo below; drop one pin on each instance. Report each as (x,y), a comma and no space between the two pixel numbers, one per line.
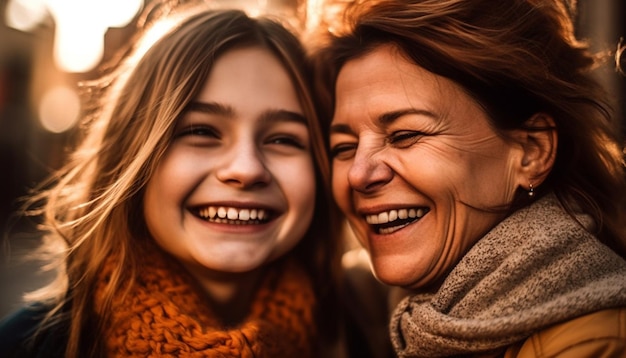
(21,334)
(601,333)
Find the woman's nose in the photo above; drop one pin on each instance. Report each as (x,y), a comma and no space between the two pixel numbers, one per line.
(244,167)
(369,171)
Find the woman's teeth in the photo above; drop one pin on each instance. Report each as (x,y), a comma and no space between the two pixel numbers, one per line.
(393,215)
(221,214)
(393,220)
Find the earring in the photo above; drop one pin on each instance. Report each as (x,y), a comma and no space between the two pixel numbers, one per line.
(531,191)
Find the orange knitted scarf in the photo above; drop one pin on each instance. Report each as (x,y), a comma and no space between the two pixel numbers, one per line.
(164,314)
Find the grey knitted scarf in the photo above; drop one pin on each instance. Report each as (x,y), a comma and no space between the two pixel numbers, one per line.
(536,268)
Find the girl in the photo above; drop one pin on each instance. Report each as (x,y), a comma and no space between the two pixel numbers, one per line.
(185,219)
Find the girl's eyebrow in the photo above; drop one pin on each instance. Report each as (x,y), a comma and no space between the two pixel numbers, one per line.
(210,108)
(282,115)
(271,115)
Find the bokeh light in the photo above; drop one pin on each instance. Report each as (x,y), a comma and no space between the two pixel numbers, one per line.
(59,109)
(80,26)
(25,15)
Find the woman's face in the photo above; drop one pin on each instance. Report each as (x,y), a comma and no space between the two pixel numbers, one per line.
(236,186)
(416,167)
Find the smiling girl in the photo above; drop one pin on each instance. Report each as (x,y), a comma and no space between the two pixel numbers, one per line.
(186,217)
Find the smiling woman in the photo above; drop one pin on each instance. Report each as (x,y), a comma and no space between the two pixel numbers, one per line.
(185,222)
(477,163)
(412,113)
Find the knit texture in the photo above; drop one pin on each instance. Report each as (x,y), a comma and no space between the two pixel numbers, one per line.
(537,268)
(165,315)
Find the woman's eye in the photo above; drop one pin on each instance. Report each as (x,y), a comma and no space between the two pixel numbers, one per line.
(404,139)
(343,151)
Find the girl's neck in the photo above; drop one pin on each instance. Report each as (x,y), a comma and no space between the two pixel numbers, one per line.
(230,294)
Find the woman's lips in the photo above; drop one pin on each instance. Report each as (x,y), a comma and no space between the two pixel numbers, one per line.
(389,221)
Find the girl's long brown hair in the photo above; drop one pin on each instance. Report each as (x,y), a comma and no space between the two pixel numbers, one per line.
(93,206)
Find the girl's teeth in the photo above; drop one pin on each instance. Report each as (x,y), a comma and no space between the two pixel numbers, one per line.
(244,214)
(233,214)
(219,213)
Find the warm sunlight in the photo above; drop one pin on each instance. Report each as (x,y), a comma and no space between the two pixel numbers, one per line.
(80,26)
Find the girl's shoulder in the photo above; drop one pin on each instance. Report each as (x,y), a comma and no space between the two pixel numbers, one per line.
(21,334)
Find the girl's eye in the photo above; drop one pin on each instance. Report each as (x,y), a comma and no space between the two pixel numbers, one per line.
(404,139)
(343,151)
(286,140)
(201,131)
(199,136)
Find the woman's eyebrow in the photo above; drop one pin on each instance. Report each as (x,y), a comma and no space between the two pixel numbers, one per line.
(385,119)
(390,117)
(340,128)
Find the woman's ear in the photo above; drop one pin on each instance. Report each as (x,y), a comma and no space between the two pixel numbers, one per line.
(538,138)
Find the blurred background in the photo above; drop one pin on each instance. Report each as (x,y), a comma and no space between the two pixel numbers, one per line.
(48,46)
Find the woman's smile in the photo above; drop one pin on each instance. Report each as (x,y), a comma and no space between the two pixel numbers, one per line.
(390,221)
(415,162)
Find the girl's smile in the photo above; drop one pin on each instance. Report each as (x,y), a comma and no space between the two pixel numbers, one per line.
(234,216)
(236,187)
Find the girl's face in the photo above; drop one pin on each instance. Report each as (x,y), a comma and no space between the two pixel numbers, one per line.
(415,166)
(236,187)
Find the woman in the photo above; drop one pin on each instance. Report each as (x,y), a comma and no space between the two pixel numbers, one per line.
(186,218)
(478,164)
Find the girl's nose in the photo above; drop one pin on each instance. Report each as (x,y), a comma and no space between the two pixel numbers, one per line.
(244,168)
(369,171)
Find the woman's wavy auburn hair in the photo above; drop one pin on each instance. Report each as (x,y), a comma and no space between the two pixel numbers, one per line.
(515,58)
(93,206)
